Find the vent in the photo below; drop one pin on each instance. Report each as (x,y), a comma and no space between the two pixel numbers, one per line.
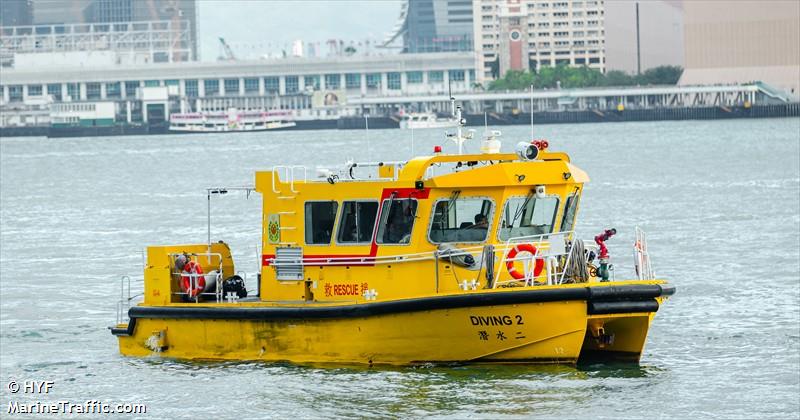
(289,263)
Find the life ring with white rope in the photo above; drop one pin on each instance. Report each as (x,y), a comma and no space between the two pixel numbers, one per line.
(538,265)
(192,280)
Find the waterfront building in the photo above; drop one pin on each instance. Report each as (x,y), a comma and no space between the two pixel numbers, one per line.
(310,88)
(16,12)
(741,41)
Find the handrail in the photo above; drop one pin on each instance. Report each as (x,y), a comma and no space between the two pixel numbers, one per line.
(124,302)
(276,172)
(641,257)
(398,166)
(194,276)
(418,256)
(417,168)
(557,261)
(554,276)
(540,238)
(305,176)
(290,176)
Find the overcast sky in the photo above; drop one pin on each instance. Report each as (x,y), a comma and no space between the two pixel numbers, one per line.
(256,27)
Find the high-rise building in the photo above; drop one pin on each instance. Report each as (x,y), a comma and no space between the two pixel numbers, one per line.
(434,26)
(659,34)
(168,10)
(530,34)
(741,42)
(135,31)
(59,12)
(16,12)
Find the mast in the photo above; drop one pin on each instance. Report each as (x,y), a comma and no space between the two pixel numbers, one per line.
(366,128)
(531,111)
(459,137)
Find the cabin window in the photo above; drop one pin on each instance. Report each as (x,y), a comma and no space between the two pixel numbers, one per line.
(320,216)
(571,206)
(357,222)
(397,221)
(528,216)
(460,220)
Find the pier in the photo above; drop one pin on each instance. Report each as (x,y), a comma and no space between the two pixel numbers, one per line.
(321,94)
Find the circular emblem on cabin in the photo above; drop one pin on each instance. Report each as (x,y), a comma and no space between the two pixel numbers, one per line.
(273,229)
(515,35)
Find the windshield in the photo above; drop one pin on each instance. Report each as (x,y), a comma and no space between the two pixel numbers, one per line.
(528,216)
(568,221)
(460,220)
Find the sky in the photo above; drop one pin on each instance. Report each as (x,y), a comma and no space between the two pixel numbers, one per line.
(256,27)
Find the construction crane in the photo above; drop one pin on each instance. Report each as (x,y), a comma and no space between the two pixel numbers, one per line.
(227,53)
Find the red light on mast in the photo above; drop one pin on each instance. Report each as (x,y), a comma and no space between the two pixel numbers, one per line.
(540,144)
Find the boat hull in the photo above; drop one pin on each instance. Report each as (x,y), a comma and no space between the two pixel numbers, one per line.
(544,331)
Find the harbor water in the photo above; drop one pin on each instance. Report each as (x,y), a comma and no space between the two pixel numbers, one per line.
(719,200)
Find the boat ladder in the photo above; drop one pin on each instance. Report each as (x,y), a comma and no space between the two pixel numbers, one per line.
(287,210)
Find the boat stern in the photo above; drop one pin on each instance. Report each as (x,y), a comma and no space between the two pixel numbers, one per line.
(618,320)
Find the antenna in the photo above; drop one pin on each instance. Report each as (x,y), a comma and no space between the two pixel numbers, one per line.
(531,111)
(452,99)
(366,125)
(458,138)
(412,142)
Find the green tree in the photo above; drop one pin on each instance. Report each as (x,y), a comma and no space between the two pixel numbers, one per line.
(618,78)
(580,77)
(661,75)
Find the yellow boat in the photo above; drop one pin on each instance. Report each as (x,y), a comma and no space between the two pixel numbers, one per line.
(447,258)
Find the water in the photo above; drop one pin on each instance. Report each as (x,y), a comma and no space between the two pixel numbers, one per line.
(719,200)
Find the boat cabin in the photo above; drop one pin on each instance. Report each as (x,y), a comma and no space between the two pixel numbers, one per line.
(406,229)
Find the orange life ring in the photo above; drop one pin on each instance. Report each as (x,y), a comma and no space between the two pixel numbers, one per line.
(190,271)
(537,268)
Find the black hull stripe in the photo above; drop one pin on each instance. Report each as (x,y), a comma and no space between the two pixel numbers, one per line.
(621,307)
(615,299)
(626,292)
